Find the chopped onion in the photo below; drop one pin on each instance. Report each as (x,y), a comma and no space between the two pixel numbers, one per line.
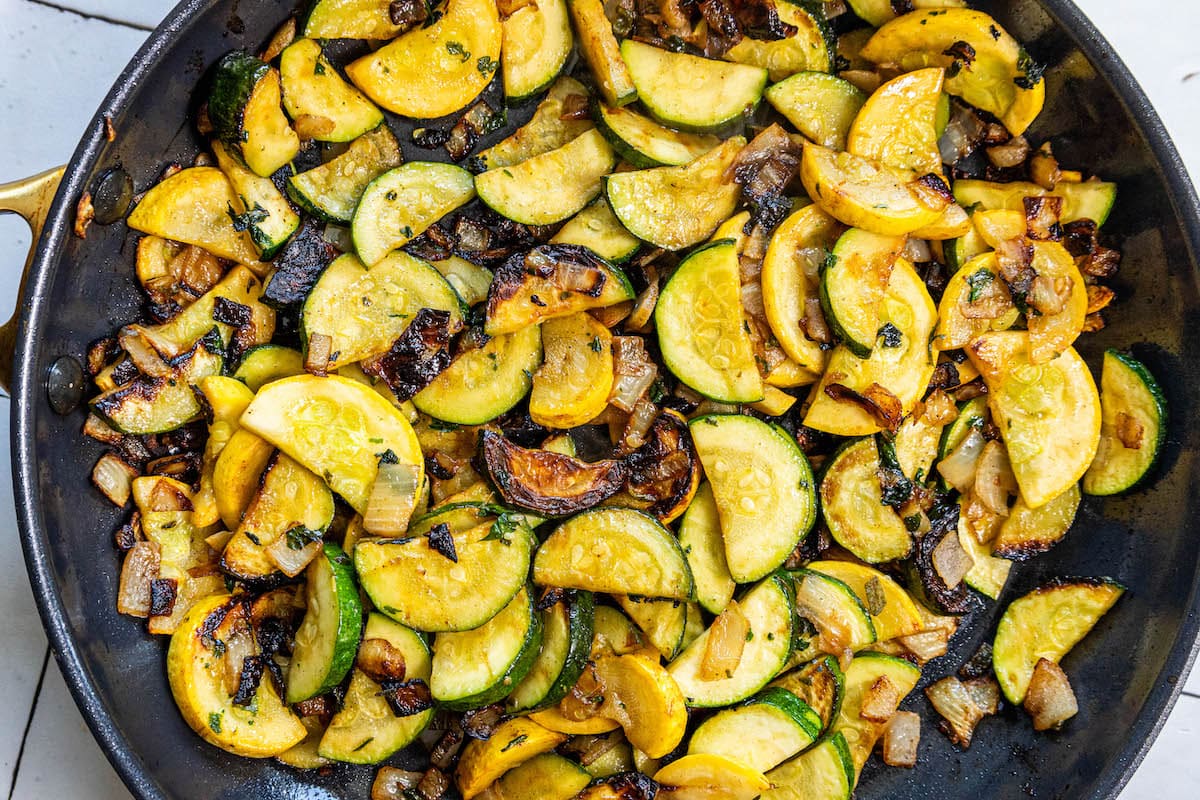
(391,783)
(393,499)
(381,661)
(958,468)
(752,300)
(164,495)
(1050,699)
(610,316)
(292,560)
(312,126)
(926,645)
(958,709)
(142,353)
(100,430)
(320,348)
(643,306)
(986,694)
(726,641)
(433,784)
(239,646)
(339,237)
(814,324)
(994,479)
(962,135)
(951,561)
(1009,155)
(940,408)
(217,541)
(901,739)
(640,419)
(880,701)
(916,251)
(1044,169)
(114,478)
(633,370)
(140,568)
(284,35)
(1050,295)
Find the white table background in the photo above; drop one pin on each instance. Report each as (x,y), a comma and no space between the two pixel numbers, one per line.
(58,59)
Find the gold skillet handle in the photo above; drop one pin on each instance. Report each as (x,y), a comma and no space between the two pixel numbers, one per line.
(31,198)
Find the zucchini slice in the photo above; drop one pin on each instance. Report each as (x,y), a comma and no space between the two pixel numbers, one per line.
(289,498)
(312,87)
(821,106)
(483,383)
(1133,428)
(820,684)
(245,107)
(436,70)
(766,731)
(867,194)
(545,131)
(853,508)
(989,574)
(192,206)
(566,644)
(572,385)
(1027,531)
(1001,79)
(663,621)
(614,550)
(156,405)
(551,281)
(337,428)
(697,774)
(1088,200)
(350,19)
(1047,623)
(363,311)
(825,772)
(893,612)
(763,487)
(401,203)
(677,207)
(470,281)
(196,671)
(537,43)
(365,731)
(327,639)
(691,93)
(1048,414)
(835,611)
(548,776)
(867,668)
(800,244)
(643,142)
(416,585)
(615,634)
(597,229)
(264,363)
(704,547)
(811,47)
(236,474)
(904,370)
(768,606)
(331,191)
(853,284)
(898,124)
(602,53)
(649,705)
(702,330)
(552,186)
(1050,334)
(478,667)
(514,742)
(261,207)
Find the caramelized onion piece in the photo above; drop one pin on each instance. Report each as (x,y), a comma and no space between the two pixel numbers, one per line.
(1050,699)
(726,641)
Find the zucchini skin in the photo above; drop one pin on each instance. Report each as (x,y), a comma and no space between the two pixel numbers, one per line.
(234,79)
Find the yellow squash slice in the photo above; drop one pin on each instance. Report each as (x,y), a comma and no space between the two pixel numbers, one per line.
(572,385)
(702,776)
(898,124)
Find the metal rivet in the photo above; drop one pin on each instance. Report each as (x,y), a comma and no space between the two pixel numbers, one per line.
(64,385)
(112,196)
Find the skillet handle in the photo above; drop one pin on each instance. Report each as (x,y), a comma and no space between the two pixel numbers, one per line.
(31,198)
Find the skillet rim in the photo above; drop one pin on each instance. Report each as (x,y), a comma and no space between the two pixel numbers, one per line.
(28,386)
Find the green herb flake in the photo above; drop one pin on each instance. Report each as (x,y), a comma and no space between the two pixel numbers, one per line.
(487,65)
(876,601)
(456,49)
(979,280)
(514,742)
(214,722)
(318,68)
(300,537)
(596,345)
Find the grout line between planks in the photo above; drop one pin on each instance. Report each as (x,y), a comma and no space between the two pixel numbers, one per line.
(37,692)
(86,15)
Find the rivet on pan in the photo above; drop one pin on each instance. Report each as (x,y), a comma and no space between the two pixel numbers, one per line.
(64,385)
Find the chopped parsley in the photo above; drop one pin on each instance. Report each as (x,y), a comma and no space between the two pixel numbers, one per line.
(300,537)
(248,218)
(978,281)
(456,49)
(214,722)
(513,742)
(487,65)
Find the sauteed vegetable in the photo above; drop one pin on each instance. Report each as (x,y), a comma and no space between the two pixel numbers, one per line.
(653,447)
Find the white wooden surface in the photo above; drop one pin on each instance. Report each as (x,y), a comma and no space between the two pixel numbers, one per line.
(56,65)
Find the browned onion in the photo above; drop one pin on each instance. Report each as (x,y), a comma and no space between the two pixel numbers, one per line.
(958,468)
(292,561)
(142,353)
(633,370)
(114,478)
(1050,699)
(139,569)
(901,739)
(392,782)
(639,423)
(951,561)
(958,709)
(994,479)
(726,641)
(1009,155)
(320,348)
(393,499)
(643,306)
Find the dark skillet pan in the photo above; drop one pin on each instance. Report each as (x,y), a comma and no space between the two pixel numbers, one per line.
(1127,673)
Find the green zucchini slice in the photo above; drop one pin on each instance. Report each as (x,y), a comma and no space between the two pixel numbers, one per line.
(263,209)
(597,229)
(327,639)
(567,628)
(537,43)
(331,191)
(867,668)
(614,550)
(416,585)
(312,87)
(1088,200)
(663,621)
(483,383)
(811,47)
(820,684)
(763,487)
(363,311)
(244,105)
(478,667)
(552,186)
(401,203)
(820,105)
(1133,406)
(264,363)
(825,772)
(470,281)
(852,504)
(643,142)
(835,611)
(350,19)
(768,606)
(702,330)
(545,131)
(366,731)
(691,93)
(768,730)
(1026,531)
(854,283)
(988,574)
(704,547)
(602,53)
(1047,623)
(155,405)
(677,207)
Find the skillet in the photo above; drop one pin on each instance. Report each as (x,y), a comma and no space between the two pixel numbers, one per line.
(1127,673)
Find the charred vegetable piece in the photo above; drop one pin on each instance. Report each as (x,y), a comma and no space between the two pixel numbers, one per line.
(551,484)
(1091,199)
(811,47)
(1133,428)
(244,105)
(602,53)
(418,356)
(313,88)
(1029,531)
(537,44)
(159,404)
(551,281)
(820,684)
(331,191)
(933,581)
(664,473)
(547,130)
(298,266)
